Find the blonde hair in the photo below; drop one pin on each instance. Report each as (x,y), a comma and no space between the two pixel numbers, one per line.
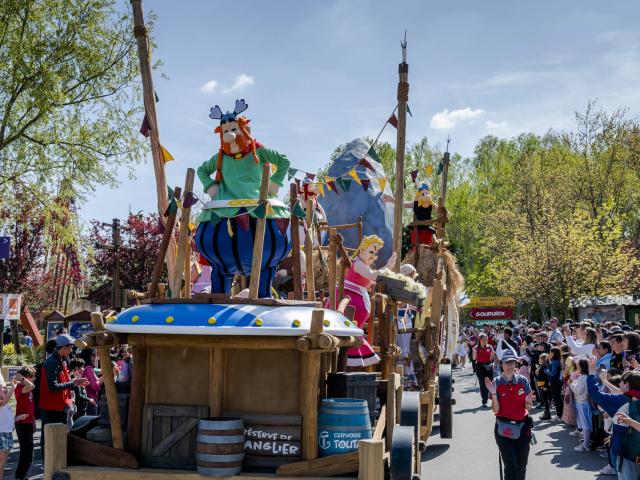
(366,243)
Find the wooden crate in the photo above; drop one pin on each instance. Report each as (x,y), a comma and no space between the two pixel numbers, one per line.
(169,435)
(397,290)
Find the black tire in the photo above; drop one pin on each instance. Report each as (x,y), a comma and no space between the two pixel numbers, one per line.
(410,417)
(402,453)
(445,392)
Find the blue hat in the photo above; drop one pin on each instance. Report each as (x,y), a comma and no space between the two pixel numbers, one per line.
(509,355)
(216,113)
(424,186)
(64,340)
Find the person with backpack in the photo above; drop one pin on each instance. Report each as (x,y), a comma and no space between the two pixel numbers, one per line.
(622,445)
(511,399)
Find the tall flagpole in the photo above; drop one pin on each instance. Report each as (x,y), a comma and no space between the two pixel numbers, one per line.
(403,98)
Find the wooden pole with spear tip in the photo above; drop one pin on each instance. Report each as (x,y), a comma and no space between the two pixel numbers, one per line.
(142,38)
(403,98)
(258,239)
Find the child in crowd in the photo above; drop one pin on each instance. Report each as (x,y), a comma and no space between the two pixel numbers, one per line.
(81,398)
(543,386)
(6,423)
(25,420)
(583,408)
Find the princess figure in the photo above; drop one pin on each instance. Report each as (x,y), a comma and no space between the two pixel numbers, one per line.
(359,278)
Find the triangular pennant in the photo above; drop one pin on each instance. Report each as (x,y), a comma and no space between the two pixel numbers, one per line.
(353,174)
(332,185)
(340,181)
(189,200)
(170,193)
(365,183)
(382,182)
(145,128)
(261,210)
(179,202)
(365,163)
(269,208)
(428,170)
(192,227)
(393,120)
(156,95)
(414,175)
(292,172)
(311,176)
(243,221)
(298,211)
(373,154)
(409,110)
(229,227)
(346,184)
(172,208)
(282,224)
(440,168)
(167,157)
(320,189)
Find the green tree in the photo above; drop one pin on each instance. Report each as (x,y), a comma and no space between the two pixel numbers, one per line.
(70,105)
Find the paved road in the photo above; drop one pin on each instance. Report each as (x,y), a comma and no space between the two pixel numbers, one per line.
(472,453)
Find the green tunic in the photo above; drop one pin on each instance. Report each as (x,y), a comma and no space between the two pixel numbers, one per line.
(241,181)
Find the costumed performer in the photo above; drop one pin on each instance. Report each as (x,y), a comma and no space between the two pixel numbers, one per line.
(359,278)
(309,191)
(422,206)
(227,225)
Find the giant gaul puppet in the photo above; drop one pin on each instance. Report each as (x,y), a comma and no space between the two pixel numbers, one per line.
(227,226)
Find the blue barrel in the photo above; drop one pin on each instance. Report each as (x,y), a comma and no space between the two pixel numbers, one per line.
(342,423)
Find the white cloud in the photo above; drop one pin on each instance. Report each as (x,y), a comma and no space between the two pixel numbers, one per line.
(491,125)
(241,82)
(449,119)
(210,87)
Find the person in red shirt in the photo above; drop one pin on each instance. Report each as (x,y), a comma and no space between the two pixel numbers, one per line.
(483,356)
(511,399)
(25,419)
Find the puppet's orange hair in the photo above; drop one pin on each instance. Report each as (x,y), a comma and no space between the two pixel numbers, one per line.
(242,125)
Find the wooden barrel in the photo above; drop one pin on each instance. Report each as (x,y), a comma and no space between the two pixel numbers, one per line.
(342,423)
(220,447)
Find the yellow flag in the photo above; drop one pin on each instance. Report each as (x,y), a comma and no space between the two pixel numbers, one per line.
(428,170)
(192,227)
(382,182)
(269,209)
(229,227)
(166,155)
(321,189)
(353,174)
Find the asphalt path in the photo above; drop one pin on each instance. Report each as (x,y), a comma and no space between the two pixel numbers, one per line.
(473,454)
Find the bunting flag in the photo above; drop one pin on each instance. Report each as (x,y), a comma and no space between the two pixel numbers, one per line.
(365,183)
(282,224)
(229,227)
(172,208)
(429,170)
(269,208)
(311,176)
(440,168)
(166,155)
(345,183)
(298,211)
(409,110)
(145,128)
(156,95)
(261,210)
(382,182)
(292,172)
(414,175)
(243,221)
(353,174)
(393,120)
(189,200)
(321,189)
(331,184)
(373,154)
(192,227)
(365,163)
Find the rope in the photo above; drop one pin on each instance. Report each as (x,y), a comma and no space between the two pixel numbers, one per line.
(403,92)
(140,31)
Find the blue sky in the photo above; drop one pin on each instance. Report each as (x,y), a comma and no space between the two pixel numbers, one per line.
(317,74)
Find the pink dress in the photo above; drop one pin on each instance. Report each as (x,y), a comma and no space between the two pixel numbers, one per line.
(356,288)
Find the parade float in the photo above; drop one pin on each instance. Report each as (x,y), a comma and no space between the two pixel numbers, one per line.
(239,384)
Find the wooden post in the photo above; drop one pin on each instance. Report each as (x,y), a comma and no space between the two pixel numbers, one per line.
(187,270)
(137,399)
(359,230)
(308,251)
(109,384)
(333,259)
(183,238)
(393,382)
(55,448)
(403,98)
(164,244)
(258,239)
(371,455)
(149,94)
(216,379)
(295,241)
(309,377)
(387,343)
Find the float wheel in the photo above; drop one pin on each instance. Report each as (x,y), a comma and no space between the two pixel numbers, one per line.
(445,393)
(410,417)
(403,456)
